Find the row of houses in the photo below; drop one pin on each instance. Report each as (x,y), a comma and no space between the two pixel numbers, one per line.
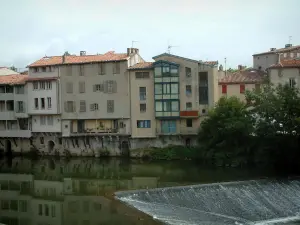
(86,104)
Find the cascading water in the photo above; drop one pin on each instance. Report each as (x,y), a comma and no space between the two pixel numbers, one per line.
(256,202)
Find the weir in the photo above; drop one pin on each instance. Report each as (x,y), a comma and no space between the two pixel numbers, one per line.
(255,202)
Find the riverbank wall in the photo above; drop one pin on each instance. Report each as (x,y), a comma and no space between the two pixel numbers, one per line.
(91,146)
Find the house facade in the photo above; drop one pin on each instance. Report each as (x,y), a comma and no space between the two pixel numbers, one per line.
(91,105)
(285,72)
(14,120)
(264,60)
(236,84)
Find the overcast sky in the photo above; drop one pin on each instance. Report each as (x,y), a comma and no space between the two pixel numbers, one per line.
(202,29)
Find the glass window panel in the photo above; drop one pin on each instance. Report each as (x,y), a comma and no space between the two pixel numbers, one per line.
(166,69)
(174,70)
(175,106)
(158,89)
(157,71)
(166,88)
(174,88)
(167,106)
(158,106)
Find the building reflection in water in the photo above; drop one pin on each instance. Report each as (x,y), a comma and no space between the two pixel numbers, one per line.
(48,192)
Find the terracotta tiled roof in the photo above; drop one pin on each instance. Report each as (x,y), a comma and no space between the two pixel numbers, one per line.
(74,59)
(211,62)
(288,63)
(280,50)
(13,79)
(247,76)
(143,65)
(30,79)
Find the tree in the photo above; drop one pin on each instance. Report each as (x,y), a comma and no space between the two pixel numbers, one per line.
(224,133)
(277,127)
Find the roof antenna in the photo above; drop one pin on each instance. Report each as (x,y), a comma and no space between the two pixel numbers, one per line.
(170,47)
(133,43)
(225,59)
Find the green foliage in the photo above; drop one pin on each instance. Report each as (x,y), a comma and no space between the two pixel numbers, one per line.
(266,130)
(222,135)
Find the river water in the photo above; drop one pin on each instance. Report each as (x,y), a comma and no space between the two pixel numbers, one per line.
(50,191)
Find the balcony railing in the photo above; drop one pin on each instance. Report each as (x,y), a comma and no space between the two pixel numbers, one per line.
(189,113)
(91,132)
(15,133)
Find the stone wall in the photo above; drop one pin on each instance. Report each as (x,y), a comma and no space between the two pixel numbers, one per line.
(93,146)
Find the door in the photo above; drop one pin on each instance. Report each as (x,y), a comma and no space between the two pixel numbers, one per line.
(80,126)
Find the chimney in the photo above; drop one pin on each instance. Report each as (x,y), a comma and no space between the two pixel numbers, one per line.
(272,49)
(82,53)
(132,51)
(288,45)
(221,68)
(240,67)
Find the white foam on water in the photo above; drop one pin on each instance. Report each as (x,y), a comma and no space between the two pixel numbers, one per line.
(253,202)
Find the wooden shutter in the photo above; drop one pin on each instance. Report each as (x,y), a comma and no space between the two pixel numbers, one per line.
(224,89)
(114,86)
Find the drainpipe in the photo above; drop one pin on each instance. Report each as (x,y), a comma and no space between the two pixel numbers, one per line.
(130,116)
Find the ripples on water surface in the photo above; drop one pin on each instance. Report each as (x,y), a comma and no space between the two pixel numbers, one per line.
(80,192)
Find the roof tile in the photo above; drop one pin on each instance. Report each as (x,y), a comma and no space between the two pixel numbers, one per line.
(287,63)
(142,65)
(74,59)
(13,79)
(247,76)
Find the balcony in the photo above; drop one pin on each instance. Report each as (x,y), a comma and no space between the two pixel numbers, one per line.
(100,132)
(15,133)
(6,96)
(166,114)
(7,115)
(189,114)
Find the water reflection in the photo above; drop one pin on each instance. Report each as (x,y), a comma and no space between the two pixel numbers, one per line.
(79,191)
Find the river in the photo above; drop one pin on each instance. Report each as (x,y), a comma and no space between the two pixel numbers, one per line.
(80,191)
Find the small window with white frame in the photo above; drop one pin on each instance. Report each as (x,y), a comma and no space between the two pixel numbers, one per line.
(48,85)
(292,82)
(35,85)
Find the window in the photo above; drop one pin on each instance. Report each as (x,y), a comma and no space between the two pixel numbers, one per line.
(82,106)
(167,106)
(42,103)
(188,106)
(110,86)
(242,88)
(224,89)
(110,106)
(188,90)
(142,75)
(35,85)
(292,82)
(101,68)
(10,105)
(257,87)
(203,95)
(99,87)
(69,87)
(168,126)
(174,70)
(50,120)
(48,85)
(142,93)
(143,124)
(44,69)
(36,103)
(284,55)
(53,210)
(20,106)
(292,54)
(35,69)
(42,85)
(40,209)
(298,54)
(23,206)
(189,123)
(49,103)
(188,72)
(69,70)
(70,106)
(203,79)
(81,87)
(157,71)
(46,210)
(81,70)
(19,89)
(42,120)
(170,88)
(116,68)
(94,107)
(143,107)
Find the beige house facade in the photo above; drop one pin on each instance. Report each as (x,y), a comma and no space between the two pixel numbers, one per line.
(236,84)
(263,60)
